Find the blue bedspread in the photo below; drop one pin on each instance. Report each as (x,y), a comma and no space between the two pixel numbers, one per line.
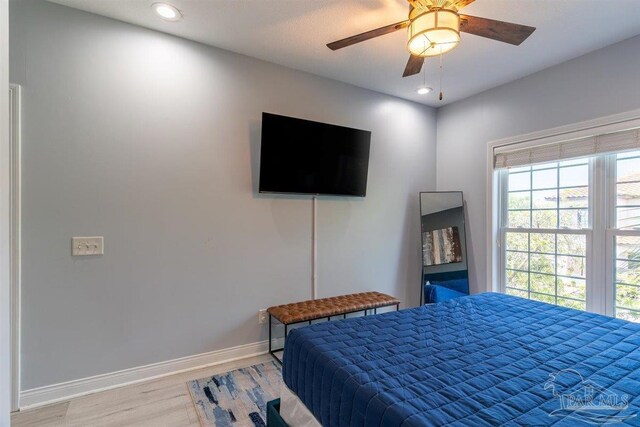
(481,360)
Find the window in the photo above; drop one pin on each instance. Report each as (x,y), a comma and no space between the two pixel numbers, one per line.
(545,245)
(627,236)
(558,246)
(627,278)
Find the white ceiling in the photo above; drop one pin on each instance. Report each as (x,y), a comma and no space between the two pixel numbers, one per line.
(294,33)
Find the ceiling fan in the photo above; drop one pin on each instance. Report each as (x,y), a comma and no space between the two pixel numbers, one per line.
(434,28)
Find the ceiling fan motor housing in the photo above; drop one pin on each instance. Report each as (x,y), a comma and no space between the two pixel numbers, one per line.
(433,31)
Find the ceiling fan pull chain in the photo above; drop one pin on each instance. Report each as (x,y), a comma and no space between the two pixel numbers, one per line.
(424,73)
(440,97)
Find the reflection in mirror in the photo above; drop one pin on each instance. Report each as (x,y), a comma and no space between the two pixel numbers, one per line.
(444,246)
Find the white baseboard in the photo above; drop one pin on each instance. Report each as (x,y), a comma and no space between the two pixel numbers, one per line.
(63,391)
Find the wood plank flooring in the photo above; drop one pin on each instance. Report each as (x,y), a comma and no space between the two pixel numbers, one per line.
(164,402)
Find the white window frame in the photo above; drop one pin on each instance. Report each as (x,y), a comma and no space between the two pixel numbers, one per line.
(600,279)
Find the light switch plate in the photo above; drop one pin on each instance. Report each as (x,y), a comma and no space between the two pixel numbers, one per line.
(85,246)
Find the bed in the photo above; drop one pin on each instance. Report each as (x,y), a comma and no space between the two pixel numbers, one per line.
(481,360)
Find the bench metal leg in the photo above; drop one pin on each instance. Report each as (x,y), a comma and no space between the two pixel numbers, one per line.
(270,338)
(272,351)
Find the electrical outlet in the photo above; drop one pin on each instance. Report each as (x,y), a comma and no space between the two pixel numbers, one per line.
(84,246)
(262,316)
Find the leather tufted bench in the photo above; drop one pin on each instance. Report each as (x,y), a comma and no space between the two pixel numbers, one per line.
(307,311)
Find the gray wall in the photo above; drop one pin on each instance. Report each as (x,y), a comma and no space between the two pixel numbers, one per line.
(153,142)
(601,83)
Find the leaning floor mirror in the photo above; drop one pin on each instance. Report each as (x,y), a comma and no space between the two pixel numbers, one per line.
(444,247)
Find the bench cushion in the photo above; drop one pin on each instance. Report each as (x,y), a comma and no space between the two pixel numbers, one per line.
(325,307)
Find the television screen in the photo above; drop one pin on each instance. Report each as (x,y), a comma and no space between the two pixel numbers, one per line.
(306,157)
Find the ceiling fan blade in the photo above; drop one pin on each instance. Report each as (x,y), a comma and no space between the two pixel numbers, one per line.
(462,3)
(496,30)
(368,35)
(413,66)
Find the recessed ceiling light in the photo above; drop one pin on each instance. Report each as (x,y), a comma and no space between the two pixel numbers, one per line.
(424,90)
(166,11)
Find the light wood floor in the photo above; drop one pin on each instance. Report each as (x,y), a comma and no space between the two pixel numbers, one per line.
(164,402)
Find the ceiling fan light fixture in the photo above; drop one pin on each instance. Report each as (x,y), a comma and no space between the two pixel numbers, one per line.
(423,90)
(433,32)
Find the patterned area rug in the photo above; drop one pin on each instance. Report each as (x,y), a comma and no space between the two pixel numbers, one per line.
(237,398)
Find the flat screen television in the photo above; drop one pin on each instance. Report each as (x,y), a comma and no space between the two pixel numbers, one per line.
(306,157)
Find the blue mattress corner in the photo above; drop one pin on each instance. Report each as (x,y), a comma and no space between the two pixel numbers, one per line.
(480,360)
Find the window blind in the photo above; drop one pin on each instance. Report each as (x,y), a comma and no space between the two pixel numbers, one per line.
(507,157)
